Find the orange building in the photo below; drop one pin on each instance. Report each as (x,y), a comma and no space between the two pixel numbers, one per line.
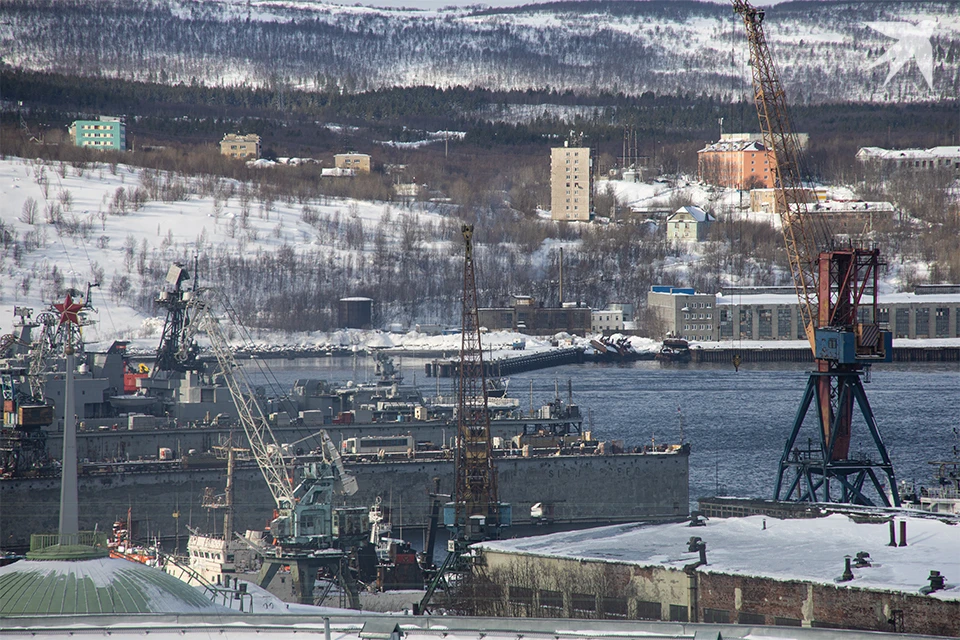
(738,164)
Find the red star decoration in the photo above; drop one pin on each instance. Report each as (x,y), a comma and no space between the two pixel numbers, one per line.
(69,311)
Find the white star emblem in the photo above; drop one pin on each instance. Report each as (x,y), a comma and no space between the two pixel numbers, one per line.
(913,41)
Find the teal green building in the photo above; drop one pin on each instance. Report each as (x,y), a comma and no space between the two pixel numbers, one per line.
(106,133)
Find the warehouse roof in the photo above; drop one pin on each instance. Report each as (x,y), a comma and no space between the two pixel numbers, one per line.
(811,550)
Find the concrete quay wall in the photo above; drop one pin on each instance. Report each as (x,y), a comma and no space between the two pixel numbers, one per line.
(586,489)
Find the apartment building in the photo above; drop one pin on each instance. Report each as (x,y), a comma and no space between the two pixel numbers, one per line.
(358,162)
(570,186)
(241,146)
(736,164)
(105,133)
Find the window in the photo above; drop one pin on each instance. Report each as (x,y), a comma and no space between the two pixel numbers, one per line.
(923,322)
(551,599)
(678,613)
(751,618)
(746,323)
(716,616)
(883,315)
(520,595)
(614,606)
(765,323)
(783,322)
(583,602)
(648,610)
(943,322)
(786,622)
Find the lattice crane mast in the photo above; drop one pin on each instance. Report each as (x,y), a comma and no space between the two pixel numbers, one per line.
(837,288)
(476,477)
(476,513)
(305,513)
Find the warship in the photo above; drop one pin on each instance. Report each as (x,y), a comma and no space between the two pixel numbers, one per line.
(148,437)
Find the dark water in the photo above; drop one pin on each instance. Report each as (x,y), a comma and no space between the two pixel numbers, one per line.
(736,422)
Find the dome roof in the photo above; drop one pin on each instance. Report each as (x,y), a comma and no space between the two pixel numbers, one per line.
(103,585)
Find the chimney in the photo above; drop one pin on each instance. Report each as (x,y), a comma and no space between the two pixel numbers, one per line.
(847,573)
(903,533)
(893,533)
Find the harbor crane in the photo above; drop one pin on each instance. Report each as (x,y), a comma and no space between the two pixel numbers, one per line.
(309,532)
(476,513)
(837,287)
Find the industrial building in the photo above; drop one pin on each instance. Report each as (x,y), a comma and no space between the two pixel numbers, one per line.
(106,133)
(773,313)
(527,317)
(606,320)
(241,146)
(943,158)
(746,571)
(684,313)
(570,183)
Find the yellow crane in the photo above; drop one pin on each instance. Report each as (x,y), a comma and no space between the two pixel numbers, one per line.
(837,288)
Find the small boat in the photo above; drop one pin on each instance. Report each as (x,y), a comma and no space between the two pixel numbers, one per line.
(674,350)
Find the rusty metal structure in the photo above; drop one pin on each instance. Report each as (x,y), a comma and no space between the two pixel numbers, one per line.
(837,289)
(476,477)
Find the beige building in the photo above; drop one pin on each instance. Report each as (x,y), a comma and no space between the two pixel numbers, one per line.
(358,162)
(689,224)
(606,321)
(765,200)
(241,146)
(570,189)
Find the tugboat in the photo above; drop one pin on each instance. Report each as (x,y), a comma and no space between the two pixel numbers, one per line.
(674,350)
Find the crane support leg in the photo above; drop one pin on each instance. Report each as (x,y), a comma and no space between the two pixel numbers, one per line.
(819,473)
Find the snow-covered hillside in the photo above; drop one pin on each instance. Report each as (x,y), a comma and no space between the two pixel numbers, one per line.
(827,51)
(65,226)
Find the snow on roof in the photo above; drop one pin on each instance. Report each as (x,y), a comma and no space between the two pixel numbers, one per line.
(694,212)
(104,585)
(810,550)
(734,145)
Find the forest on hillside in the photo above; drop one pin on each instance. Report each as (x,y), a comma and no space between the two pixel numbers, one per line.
(827,51)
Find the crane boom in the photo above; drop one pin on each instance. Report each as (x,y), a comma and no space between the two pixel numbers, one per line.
(799,238)
(263,443)
(837,290)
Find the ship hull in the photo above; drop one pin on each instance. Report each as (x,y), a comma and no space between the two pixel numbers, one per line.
(582,489)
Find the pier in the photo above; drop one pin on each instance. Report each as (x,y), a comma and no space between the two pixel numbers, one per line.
(511,365)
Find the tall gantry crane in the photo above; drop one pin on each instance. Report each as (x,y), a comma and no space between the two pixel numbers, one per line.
(476,513)
(476,477)
(837,288)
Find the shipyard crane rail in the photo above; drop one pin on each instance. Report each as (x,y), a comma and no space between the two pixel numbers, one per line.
(837,288)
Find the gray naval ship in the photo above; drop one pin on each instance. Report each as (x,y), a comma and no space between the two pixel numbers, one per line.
(149,437)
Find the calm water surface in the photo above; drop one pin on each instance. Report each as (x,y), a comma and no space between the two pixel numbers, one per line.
(736,422)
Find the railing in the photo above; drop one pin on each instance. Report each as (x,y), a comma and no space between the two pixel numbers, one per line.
(40,541)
